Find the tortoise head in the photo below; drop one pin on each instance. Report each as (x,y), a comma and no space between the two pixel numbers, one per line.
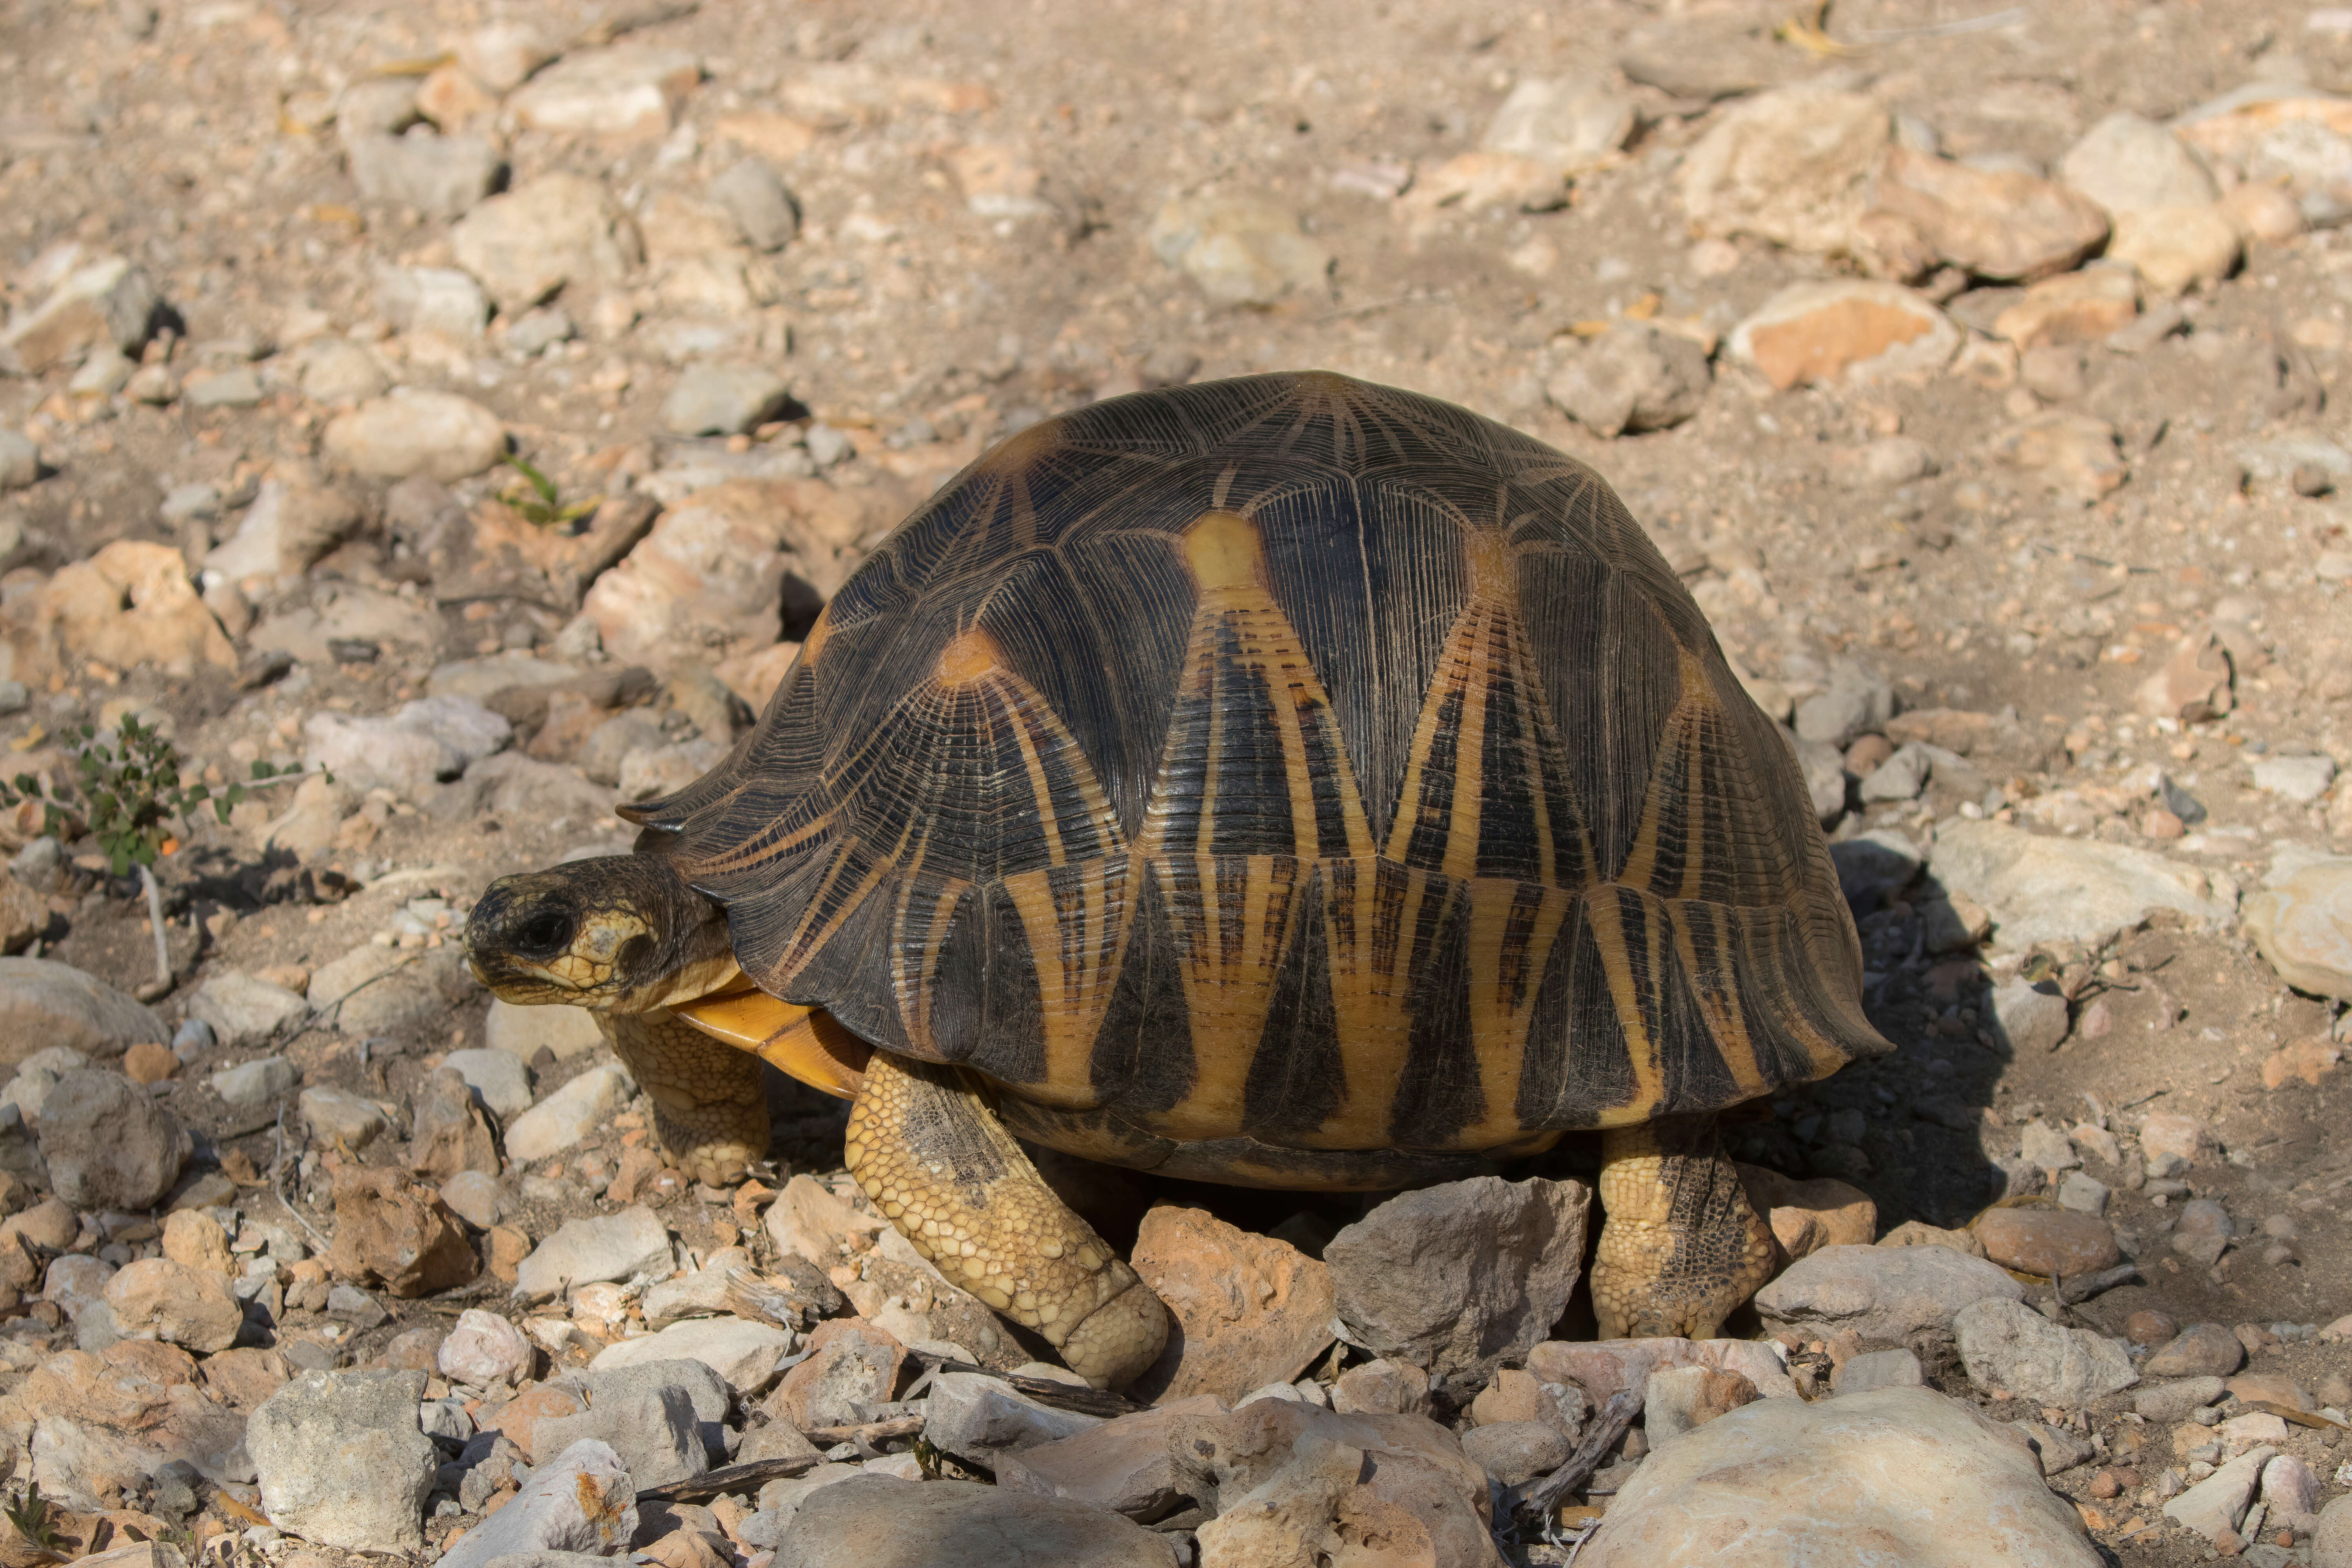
(620,933)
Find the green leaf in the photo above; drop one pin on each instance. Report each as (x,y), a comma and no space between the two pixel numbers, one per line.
(538,481)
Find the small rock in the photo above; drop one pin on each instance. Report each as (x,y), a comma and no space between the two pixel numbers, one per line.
(1874,1370)
(485,1351)
(107,300)
(20,461)
(623,92)
(237,388)
(2076,308)
(2289,1487)
(342,1461)
(335,1116)
(393,1233)
(1247,1309)
(2171,1143)
(1918,1232)
(2128,164)
(1927,1479)
(244,1012)
(1459,1278)
(2177,248)
(850,1364)
(2058,1450)
(253,1085)
(1121,1465)
(935,1524)
(2006,1345)
(2073,454)
(1631,378)
(1900,778)
(1241,248)
(1882,1292)
(2217,1505)
(1996,223)
(587,1251)
(336,370)
(2203,1233)
(2200,1350)
(157,1299)
(1846,331)
(648,1421)
(1386,1388)
(753,194)
(743,1354)
(2052,1243)
(413,431)
(2082,1194)
(43,1004)
(1684,1398)
(373,990)
(449,1133)
(2192,685)
(2149,1327)
(549,231)
(2175,1402)
(1792,165)
(108,1143)
(975,1418)
(1806,1216)
(723,399)
(570,1114)
(498,1077)
(2300,779)
(1570,126)
(2309,1059)
(1517,1451)
(522,1031)
(440,177)
(581,1501)
(1882,464)
(2045,890)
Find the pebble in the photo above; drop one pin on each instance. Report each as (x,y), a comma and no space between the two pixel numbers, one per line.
(1900,778)
(2174,1402)
(2171,1143)
(523,1032)
(2046,889)
(2082,1193)
(1570,125)
(1923,1480)
(44,1003)
(2000,224)
(1631,378)
(2302,779)
(1247,1309)
(2177,248)
(1681,1399)
(2217,1505)
(440,177)
(569,1115)
(2052,1243)
(498,1077)
(1874,1370)
(335,1115)
(1882,1292)
(2006,1345)
(157,1299)
(485,1351)
(1848,331)
(975,1418)
(1240,247)
(106,300)
(1514,1452)
(2071,454)
(252,1085)
(2202,1232)
(341,1459)
(549,231)
(754,195)
(624,93)
(723,399)
(1384,1387)
(850,1364)
(1806,1216)
(2128,164)
(2149,1327)
(2075,308)
(109,1143)
(579,1500)
(645,1415)
(589,1250)
(237,388)
(2200,1350)
(743,1354)
(1460,1277)
(413,431)
(1792,165)
(936,1524)
(440,299)
(20,460)
(1121,1465)
(393,1233)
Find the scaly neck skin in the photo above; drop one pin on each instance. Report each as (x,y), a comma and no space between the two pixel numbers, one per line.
(701,957)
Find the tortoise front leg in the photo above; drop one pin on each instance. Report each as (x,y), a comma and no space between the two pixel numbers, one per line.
(1682,1247)
(710,1104)
(929,1152)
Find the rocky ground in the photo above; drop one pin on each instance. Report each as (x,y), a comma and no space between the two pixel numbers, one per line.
(1978,368)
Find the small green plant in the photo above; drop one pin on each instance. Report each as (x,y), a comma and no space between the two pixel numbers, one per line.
(30,1515)
(131,793)
(539,504)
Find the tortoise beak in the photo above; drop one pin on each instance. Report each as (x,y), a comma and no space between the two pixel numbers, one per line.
(804,1042)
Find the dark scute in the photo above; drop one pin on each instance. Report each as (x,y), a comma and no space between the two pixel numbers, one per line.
(1439,1093)
(1142,1056)
(1695,1076)
(1298,1076)
(1578,1063)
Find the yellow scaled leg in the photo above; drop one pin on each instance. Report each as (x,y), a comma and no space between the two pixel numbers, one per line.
(935,1160)
(711,1106)
(1682,1247)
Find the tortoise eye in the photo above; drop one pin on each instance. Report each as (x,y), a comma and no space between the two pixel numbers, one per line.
(547,934)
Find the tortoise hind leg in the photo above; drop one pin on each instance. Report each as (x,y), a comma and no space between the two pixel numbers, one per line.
(710,1102)
(1682,1247)
(932,1155)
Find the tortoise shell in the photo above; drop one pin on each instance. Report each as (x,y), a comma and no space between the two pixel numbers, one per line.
(1287,759)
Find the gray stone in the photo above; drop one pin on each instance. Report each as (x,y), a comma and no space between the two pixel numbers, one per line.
(2048,890)
(1461,1277)
(44,1003)
(484,1350)
(413,431)
(2047,1146)
(2199,1351)
(550,231)
(976,1418)
(1569,126)
(252,1085)
(628,91)
(1882,1292)
(570,1114)
(538,328)
(1874,1370)
(523,1032)
(1515,1451)
(1121,1465)
(431,739)
(1241,248)
(20,460)
(1922,1479)
(448,1131)
(480,679)
(1874,866)
(107,302)
(76,1282)
(586,1251)
(723,399)
(2058,1450)
(1900,778)
(375,990)
(432,299)
(1631,378)
(336,370)
(580,1502)
(2006,1344)
(754,195)
(2203,1233)
(2082,1193)
(779,1501)
(498,1077)
(878,1521)
(1824,769)
(336,1116)
(2219,1502)
(2174,1402)
(342,1460)
(244,1012)
(1859,702)
(2300,779)
(236,388)
(109,1143)
(440,177)
(743,1354)
(649,1425)
(2128,164)
(2302,923)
